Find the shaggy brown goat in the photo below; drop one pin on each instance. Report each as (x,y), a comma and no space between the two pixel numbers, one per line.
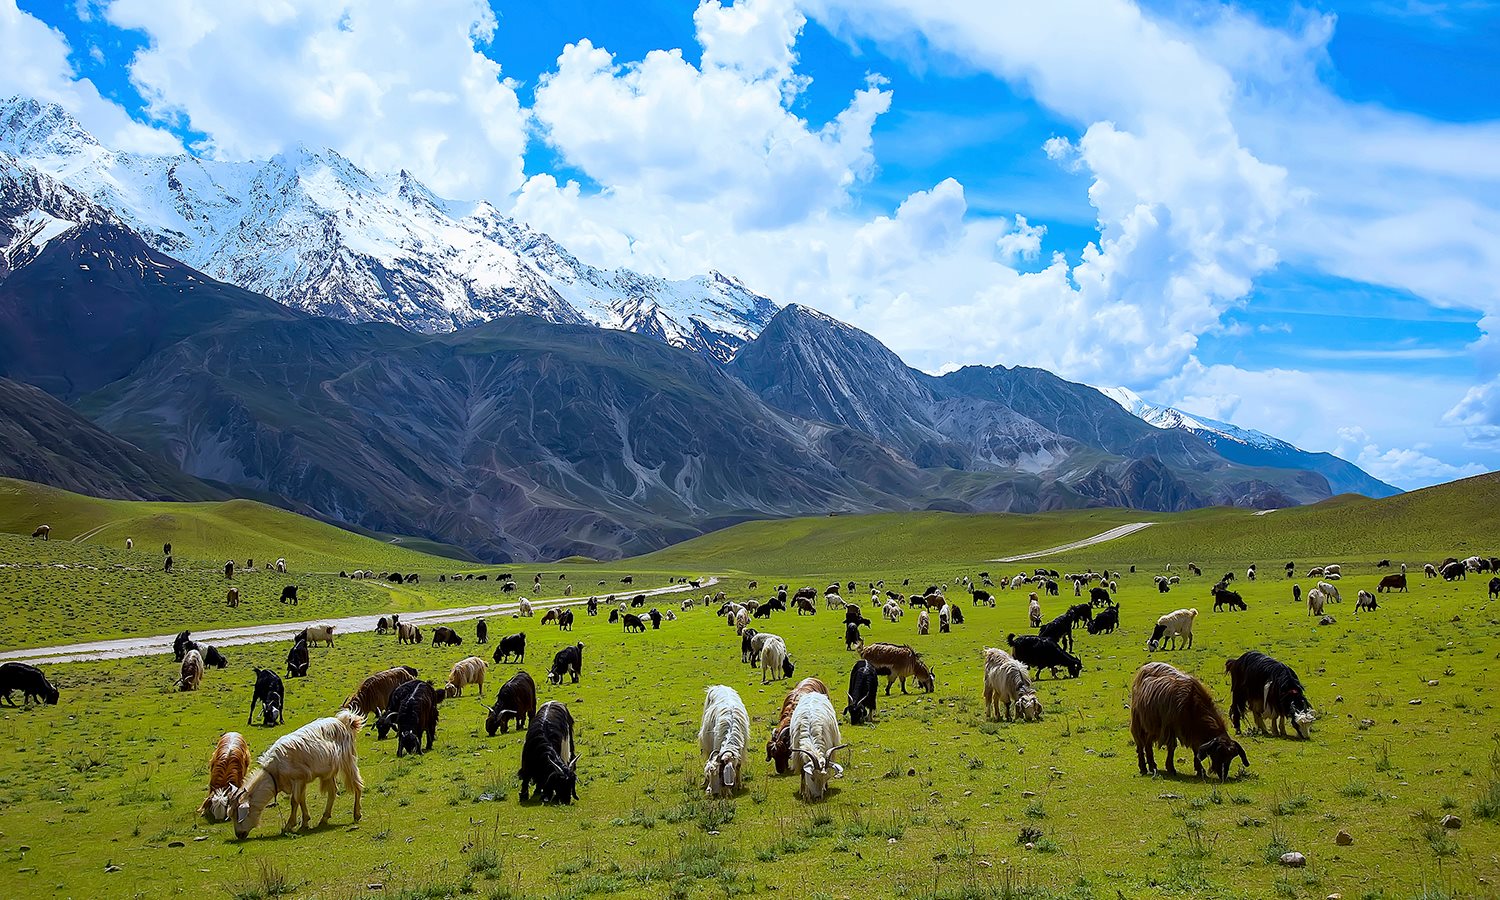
(1168,707)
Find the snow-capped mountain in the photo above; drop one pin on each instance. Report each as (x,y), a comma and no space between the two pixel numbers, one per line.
(1251,447)
(313,230)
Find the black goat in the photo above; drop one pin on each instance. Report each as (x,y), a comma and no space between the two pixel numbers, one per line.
(27,679)
(1040,653)
(542,760)
(864,684)
(512,645)
(297,660)
(270,694)
(1106,622)
(568,661)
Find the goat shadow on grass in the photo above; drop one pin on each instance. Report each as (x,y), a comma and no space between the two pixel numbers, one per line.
(1190,776)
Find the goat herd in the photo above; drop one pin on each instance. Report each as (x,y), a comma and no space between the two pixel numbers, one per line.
(1167,706)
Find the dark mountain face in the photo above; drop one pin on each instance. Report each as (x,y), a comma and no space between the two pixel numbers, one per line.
(1071,444)
(519,439)
(42,440)
(96,302)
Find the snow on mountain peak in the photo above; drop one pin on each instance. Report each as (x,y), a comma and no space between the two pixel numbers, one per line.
(312,229)
(1166,417)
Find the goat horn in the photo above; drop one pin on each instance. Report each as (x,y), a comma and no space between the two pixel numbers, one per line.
(839,747)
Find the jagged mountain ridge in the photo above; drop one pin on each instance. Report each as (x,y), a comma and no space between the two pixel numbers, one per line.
(312,230)
(1251,447)
(1012,422)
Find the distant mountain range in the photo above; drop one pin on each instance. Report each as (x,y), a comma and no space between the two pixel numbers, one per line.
(310,229)
(1254,448)
(378,357)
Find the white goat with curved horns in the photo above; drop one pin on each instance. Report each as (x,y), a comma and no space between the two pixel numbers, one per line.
(721,739)
(815,739)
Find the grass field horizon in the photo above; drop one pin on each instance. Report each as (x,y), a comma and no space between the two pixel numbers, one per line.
(937,801)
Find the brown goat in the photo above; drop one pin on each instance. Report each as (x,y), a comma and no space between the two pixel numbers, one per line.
(1168,707)
(779,748)
(227,769)
(898,661)
(374,693)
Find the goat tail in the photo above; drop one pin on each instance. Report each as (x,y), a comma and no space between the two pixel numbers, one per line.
(351,720)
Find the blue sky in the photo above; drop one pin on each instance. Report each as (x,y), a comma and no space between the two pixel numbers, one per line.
(1281,214)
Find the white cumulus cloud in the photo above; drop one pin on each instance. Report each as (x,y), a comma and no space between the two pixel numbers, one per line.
(391,84)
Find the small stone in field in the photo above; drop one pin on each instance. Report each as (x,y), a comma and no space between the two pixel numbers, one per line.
(1293,860)
(1030,845)
(1432,683)
(1452,822)
(175,844)
(1343,839)
(1028,794)
(1417,702)
(1366,723)
(111,868)
(375,886)
(1335,897)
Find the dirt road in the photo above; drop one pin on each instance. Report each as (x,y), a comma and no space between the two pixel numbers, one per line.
(281,631)
(1109,535)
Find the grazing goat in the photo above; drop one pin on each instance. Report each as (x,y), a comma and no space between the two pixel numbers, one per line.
(568,661)
(270,694)
(1366,601)
(373,695)
(549,616)
(232,597)
(748,652)
(1039,653)
(417,716)
(1006,684)
(523,607)
(43,531)
(227,768)
(1330,592)
(923,622)
(481,632)
(816,738)
(297,660)
(899,661)
(633,622)
(864,685)
(548,758)
(1106,622)
(516,700)
(1494,588)
(775,664)
(27,679)
(443,636)
(1315,602)
(1168,707)
(722,740)
(1228,598)
(317,634)
(467,671)
(1268,688)
(1059,630)
(779,747)
(512,648)
(851,636)
(565,620)
(1172,626)
(289,594)
(180,645)
(1035,611)
(1392,582)
(322,750)
(192,672)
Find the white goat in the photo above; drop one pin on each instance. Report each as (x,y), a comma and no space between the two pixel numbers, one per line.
(1035,610)
(1172,626)
(523,606)
(815,738)
(1315,602)
(320,634)
(772,659)
(1330,593)
(721,740)
(467,671)
(923,622)
(1006,683)
(322,751)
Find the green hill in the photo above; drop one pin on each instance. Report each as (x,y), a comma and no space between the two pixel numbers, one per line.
(231,529)
(1454,519)
(881,543)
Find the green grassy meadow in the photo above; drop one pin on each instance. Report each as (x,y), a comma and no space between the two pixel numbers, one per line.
(936,802)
